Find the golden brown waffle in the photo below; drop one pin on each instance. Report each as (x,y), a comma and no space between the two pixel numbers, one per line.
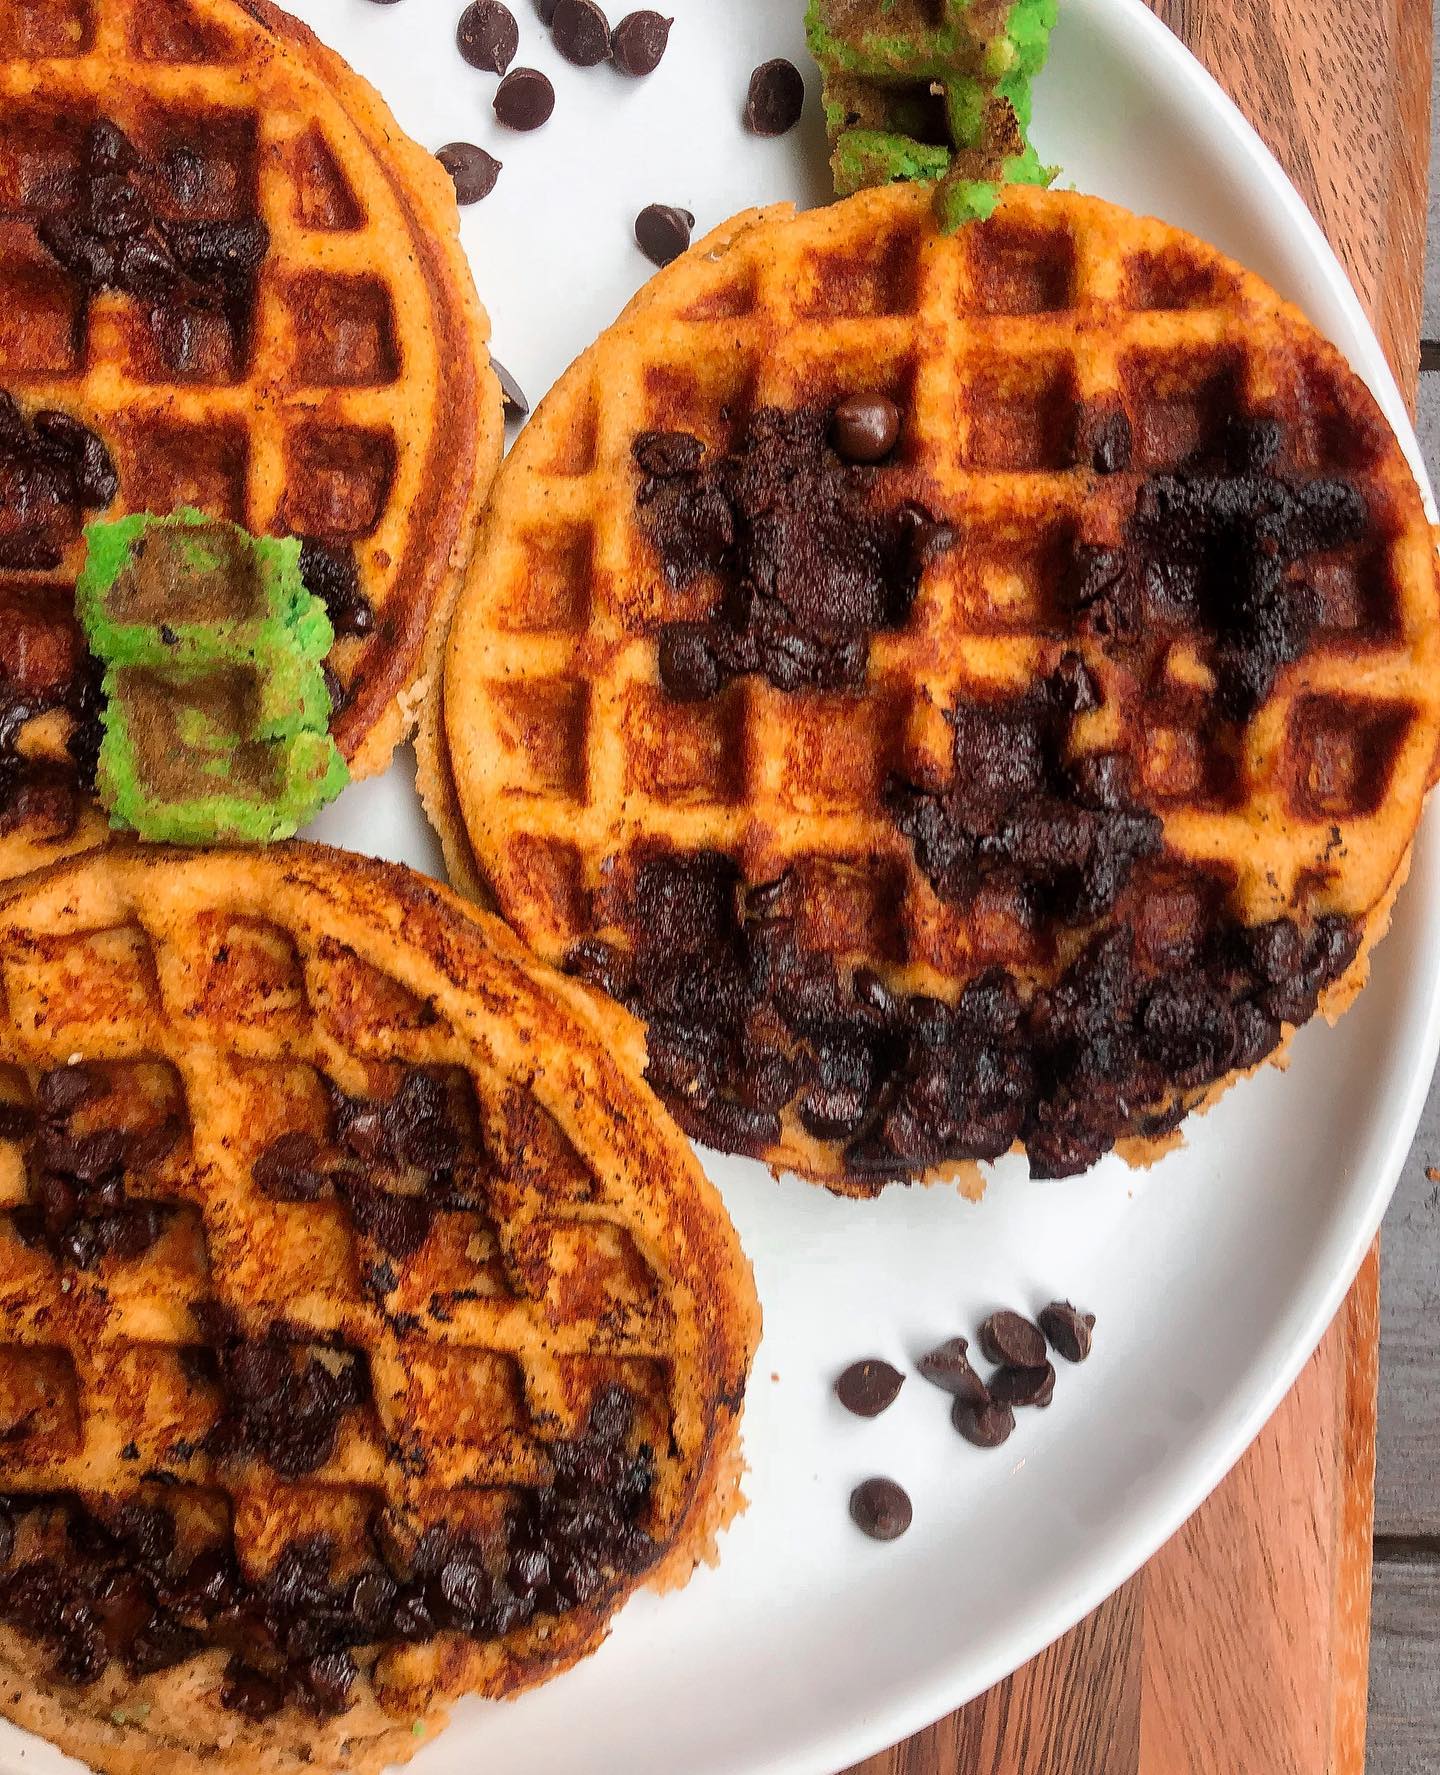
(351,1284)
(340,393)
(1176,575)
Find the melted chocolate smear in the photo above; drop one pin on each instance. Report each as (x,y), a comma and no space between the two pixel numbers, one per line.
(1217,548)
(811,562)
(124,1589)
(77,1207)
(1060,840)
(332,574)
(282,1406)
(112,238)
(52,468)
(744,1022)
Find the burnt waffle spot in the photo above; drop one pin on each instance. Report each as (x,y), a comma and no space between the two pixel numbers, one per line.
(338,481)
(1220,551)
(1064,836)
(1186,401)
(44,312)
(324,199)
(359,1003)
(344,331)
(1020,414)
(543,727)
(39,1402)
(252,973)
(1011,578)
(747,1022)
(837,751)
(94,977)
(170,31)
(206,466)
(1019,270)
(691,754)
(809,556)
(883,279)
(1174,280)
(556,592)
(53,469)
(1341,754)
(31,29)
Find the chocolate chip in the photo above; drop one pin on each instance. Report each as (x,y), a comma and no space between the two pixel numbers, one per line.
(639,41)
(1023,1386)
(473,171)
(865,427)
(775,99)
(881,1509)
(524,99)
(688,667)
(987,1426)
(663,232)
(487,36)
(581,31)
(867,1388)
(667,453)
(546,9)
(1006,1337)
(511,394)
(1068,1330)
(948,1367)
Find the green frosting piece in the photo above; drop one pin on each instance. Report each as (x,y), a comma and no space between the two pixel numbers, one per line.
(216,716)
(906,92)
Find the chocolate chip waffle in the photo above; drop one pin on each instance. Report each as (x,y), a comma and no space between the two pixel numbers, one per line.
(367,1333)
(229,281)
(962,693)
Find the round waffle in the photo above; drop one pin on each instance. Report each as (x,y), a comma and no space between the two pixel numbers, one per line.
(1022,789)
(367,1333)
(240,287)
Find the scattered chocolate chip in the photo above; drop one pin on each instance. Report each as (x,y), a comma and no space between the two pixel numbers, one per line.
(472,169)
(581,31)
(881,1509)
(524,99)
(948,1366)
(865,427)
(1007,1338)
(987,1426)
(663,232)
(867,1388)
(638,42)
(511,393)
(487,36)
(776,98)
(1068,1330)
(1023,1386)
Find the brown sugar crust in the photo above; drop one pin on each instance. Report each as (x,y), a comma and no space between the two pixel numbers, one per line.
(1171,678)
(330,1212)
(339,390)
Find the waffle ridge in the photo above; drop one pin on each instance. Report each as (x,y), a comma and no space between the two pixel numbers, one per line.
(552,754)
(315,410)
(229,1001)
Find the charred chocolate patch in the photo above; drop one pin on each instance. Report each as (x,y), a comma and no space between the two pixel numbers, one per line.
(746,1023)
(112,237)
(811,559)
(1061,839)
(131,1588)
(1216,550)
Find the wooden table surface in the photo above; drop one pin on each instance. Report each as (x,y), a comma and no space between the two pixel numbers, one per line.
(1241,1649)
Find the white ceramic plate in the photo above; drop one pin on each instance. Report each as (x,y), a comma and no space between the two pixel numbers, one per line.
(1213,1276)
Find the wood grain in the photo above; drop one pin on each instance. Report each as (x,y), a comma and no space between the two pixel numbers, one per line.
(1243,1645)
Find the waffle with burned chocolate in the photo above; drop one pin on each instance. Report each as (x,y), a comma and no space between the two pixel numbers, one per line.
(348,1361)
(228,281)
(959,692)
